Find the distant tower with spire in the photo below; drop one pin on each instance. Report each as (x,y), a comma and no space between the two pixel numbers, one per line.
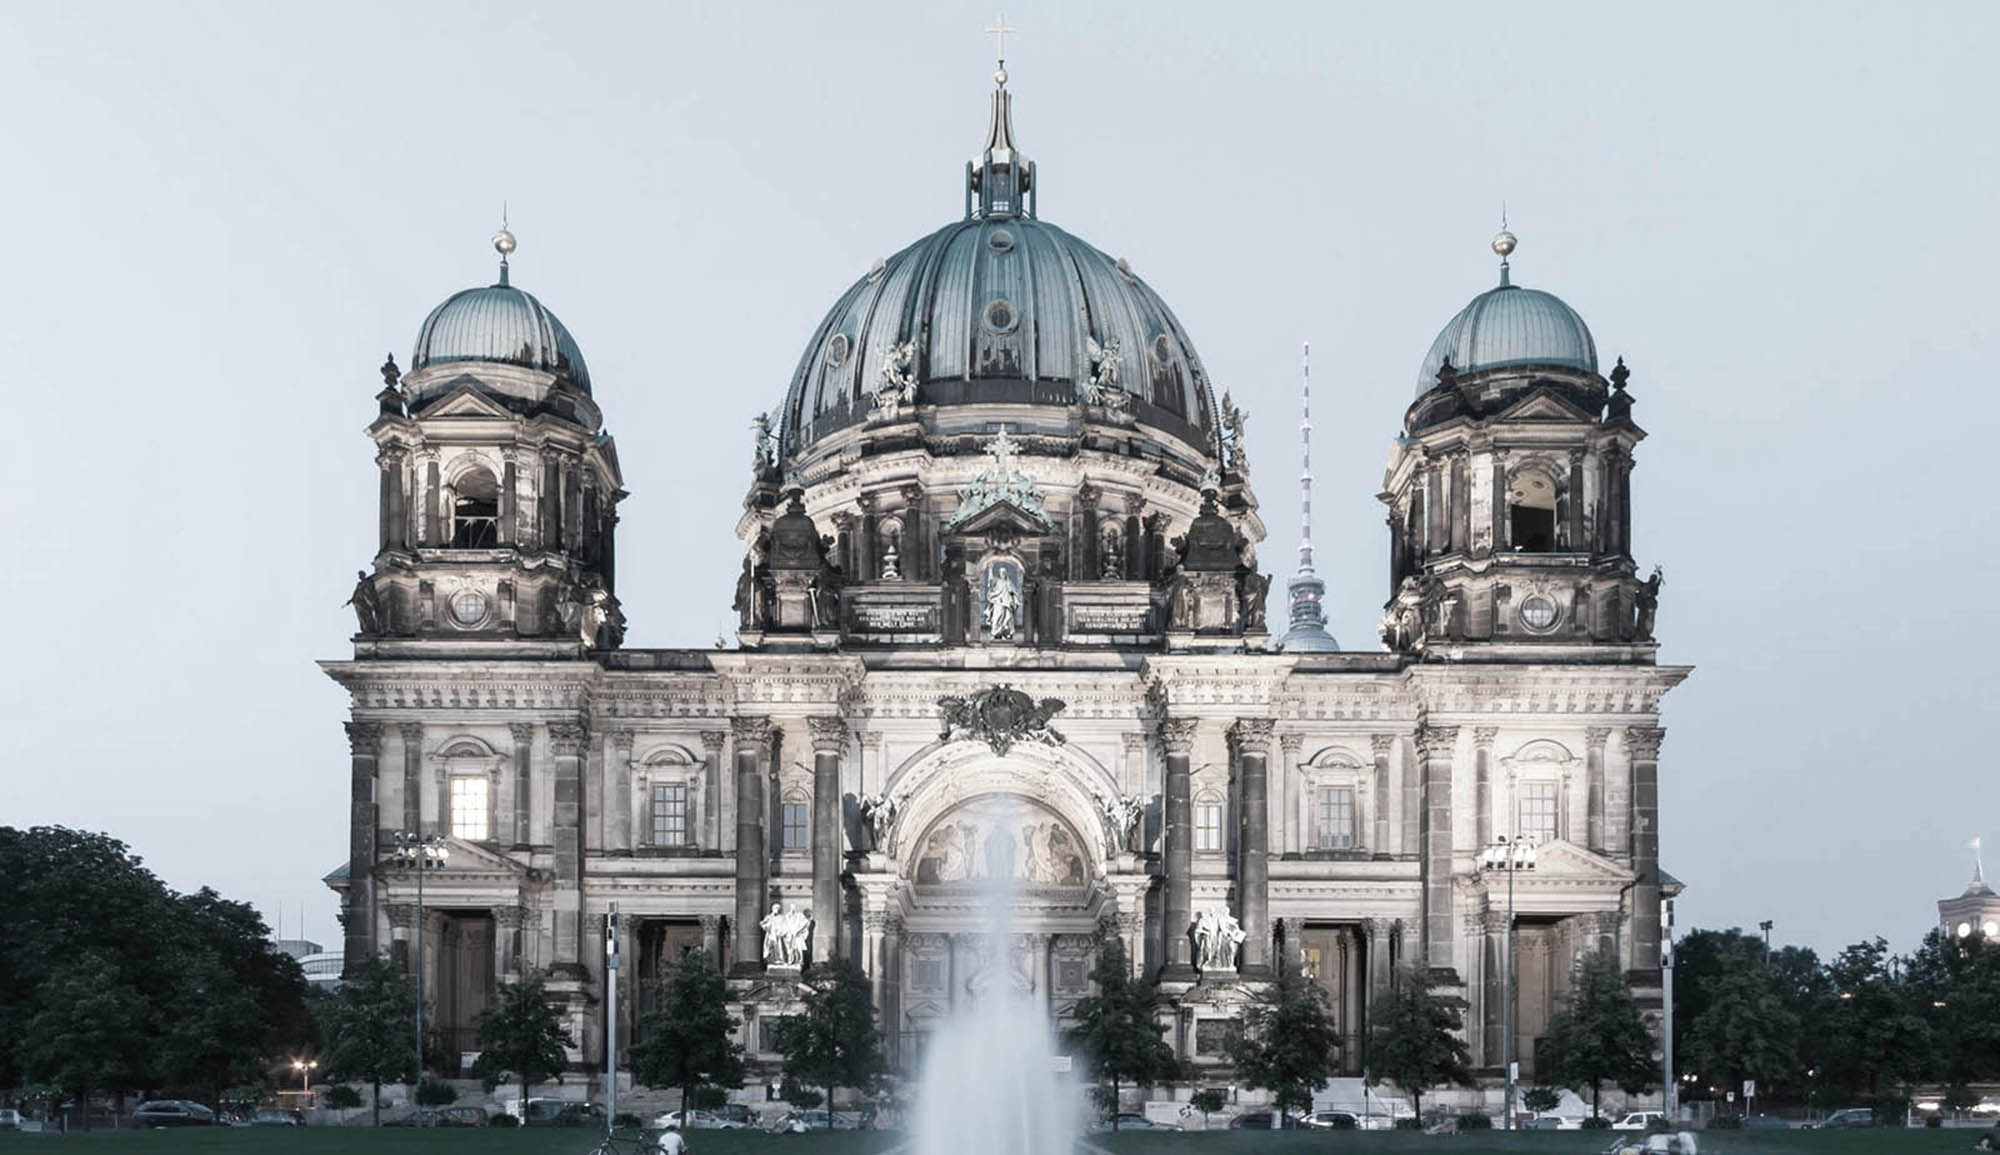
(1308,633)
(1975,913)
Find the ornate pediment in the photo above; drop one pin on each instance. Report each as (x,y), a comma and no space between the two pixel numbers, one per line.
(1560,859)
(1543,405)
(467,399)
(1000,716)
(1001,484)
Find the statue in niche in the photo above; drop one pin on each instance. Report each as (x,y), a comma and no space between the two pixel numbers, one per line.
(1216,937)
(1255,588)
(878,818)
(785,935)
(1003,603)
(1111,566)
(1121,815)
(957,601)
(1647,604)
(370,614)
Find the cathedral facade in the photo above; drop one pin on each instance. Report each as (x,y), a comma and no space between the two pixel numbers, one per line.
(1001,618)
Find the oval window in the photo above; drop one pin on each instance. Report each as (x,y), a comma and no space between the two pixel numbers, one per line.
(468,607)
(1000,316)
(836,351)
(1538,612)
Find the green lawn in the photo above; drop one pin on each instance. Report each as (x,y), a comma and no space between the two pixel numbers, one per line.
(565,1141)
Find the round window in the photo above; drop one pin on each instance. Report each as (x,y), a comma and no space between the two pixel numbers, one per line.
(1990,928)
(468,607)
(1000,316)
(836,351)
(1964,929)
(1163,348)
(1000,240)
(1538,613)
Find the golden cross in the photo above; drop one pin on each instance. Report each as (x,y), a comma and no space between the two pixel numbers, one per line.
(1000,32)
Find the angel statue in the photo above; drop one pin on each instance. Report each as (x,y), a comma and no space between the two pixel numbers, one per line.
(878,817)
(1232,436)
(899,385)
(1102,388)
(766,456)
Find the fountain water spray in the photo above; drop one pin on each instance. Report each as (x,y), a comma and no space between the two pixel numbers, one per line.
(989,1083)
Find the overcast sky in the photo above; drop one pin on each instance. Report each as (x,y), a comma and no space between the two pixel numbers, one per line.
(218,218)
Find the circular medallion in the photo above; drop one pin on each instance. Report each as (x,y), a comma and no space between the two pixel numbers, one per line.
(836,351)
(468,607)
(1539,613)
(1001,317)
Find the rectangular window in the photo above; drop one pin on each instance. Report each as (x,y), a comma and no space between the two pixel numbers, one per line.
(471,812)
(1208,826)
(670,814)
(1334,825)
(930,974)
(793,835)
(1538,811)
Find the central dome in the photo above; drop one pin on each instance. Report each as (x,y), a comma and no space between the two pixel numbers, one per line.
(999,308)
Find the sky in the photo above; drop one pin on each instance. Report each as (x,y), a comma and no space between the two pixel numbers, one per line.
(220,216)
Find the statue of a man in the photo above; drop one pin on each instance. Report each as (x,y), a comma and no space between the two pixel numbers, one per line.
(367,605)
(1003,603)
(1647,598)
(779,933)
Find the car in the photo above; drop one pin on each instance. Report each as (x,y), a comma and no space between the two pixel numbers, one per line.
(700,1120)
(465,1116)
(1331,1121)
(173,1113)
(563,1113)
(1263,1121)
(1131,1122)
(1658,1143)
(277,1117)
(1638,1120)
(817,1119)
(1550,1121)
(10,1119)
(1765,1123)
(1848,1117)
(421,1117)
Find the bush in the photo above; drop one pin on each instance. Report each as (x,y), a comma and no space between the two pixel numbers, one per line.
(1597,1123)
(1409,1124)
(342,1097)
(1475,1122)
(625,1121)
(1934,1120)
(1540,1099)
(436,1093)
(503,1119)
(1726,1123)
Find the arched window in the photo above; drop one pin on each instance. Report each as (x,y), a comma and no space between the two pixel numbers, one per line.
(475,510)
(794,829)
(1208,822)
(1531,510)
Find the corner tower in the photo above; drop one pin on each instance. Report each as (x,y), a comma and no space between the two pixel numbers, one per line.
(1509,493)
(499,489)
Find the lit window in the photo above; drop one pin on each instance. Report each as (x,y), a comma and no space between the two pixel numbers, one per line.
(471,809)
(1538,811)
(1335,827)
(670,825)
(1208,826)
(793,834)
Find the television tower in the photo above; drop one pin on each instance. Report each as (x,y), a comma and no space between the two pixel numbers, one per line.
(1305,591)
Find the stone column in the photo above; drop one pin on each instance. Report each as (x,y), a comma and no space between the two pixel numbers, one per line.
(711,938)
(1292,825)
(1038,944)
(567,739)
(433,504)
(1382,745)
(1642,747)
(1412,776)
(1573,503)
(873,922)
(1461,504)
(753,745)
(711,790)
(618,791)
(1135,550)
(1351,982)
(548,505)
(1435,746)
(829,741)
(1252,737)
(510,476)
(524,778)
(391,485)
(1593,745)
(1293,930)
(891,1006)
(1177,909)
(364,743)
(506,942)
(1500,527)
(867,549)
(1493,1017)
(1381,970)
(1482,770)
(1436,536)
(412,734)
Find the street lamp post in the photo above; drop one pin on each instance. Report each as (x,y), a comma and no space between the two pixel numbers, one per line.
(1511,855)
(1670,1090)
(611,1027)
(305,1070)
(422,853)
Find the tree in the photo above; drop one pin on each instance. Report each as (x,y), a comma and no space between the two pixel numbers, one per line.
(87,1030)
(1117,1033)
(1288,1042)
(366,1028)
(685,1040)
(1598,1036)
(521,1037)
(834,1043)
(1746,1032)
(1541,1099)
(243,997)
(1414,1042)
(1208,1100)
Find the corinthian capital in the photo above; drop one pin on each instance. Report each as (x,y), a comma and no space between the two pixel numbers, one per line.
(1252,735)
(829,733)
(1382,744)
(566,738)
(1642,743)
(754,729)
(1437,741)
(1177,734)
(523,732)
(1484,735)
(712,740)
(1595,736)
(364,737)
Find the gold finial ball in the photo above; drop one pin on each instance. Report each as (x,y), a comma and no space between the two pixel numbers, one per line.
(1504,243)
(503,242)
(1000,77)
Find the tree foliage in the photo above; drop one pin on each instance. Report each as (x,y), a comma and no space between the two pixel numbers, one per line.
(1287,1043)
(686,1040)
(521,1037)
(834,1043)
(112,982)
(367,1027)
(1117,1033)
(1414,1042)
(1598,1036)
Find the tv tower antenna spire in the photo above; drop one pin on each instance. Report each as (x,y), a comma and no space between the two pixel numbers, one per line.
(1305,591)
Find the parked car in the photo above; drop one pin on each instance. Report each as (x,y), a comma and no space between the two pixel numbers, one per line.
(172,1113)
(1847,1117)
(563,1113)
(1331,1121)
(1658,1143)
(1131,1122)
(421,1117)
(277,1117)
(465,1116)
(1765,1123)
(818,1119)
(10,1119)
(1262,1121)
(1638,1120)
(1550,1121)
(700,1120)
